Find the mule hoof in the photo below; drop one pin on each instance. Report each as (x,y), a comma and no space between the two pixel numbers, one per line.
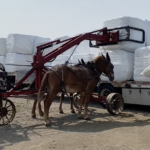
(61,112)
(80,117)
(72,111)
(87,118)
(41,114)
(48,123)
(33,116)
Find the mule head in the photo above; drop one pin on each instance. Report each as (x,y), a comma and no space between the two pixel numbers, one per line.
(105,66)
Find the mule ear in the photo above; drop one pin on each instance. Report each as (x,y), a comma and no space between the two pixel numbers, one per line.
(103,56)
(107,56)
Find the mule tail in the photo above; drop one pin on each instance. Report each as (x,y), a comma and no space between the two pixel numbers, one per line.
(44,87)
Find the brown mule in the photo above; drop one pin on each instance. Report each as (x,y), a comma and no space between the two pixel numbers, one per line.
(72,79)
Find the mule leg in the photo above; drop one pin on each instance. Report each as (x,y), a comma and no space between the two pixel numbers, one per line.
(40,110)
(47,103)
(82,99)
(86,103)
(61,101)
(33,114)
(71,104)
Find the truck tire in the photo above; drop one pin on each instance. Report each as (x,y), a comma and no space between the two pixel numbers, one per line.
(105,90)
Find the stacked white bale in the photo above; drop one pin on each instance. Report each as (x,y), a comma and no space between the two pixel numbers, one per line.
(46,51)
(141,61)
(85,57)
(18,59)
(83,48)
(3,50)
(82,52)
(37,41)
(69,51)
(95,51)
(19,52)
(3,59)
(134,34)
(123,64)
(61,59)
(14,68)
(146,72)
(18,62)
(19,43)
(147,32)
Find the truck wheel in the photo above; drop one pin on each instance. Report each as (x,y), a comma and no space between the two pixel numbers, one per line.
(105,90)
(114,103)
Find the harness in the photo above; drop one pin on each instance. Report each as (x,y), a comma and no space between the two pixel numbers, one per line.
(85,67)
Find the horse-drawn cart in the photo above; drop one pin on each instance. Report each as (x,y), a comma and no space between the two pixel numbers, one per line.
(114,101)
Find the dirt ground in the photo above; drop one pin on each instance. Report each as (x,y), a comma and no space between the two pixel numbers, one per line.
(128,131)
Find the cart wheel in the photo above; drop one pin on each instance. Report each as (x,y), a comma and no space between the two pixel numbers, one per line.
(114,103)
(76,100)
(7,111)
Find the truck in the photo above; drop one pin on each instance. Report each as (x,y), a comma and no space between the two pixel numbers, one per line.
(133,92)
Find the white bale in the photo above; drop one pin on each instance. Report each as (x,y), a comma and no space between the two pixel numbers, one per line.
(18,59)
(123,64)
(19,43)
(14,68)
(38,41)
(61,59)
(136,35)
(67,52)
(3,48)
(94,51)
(3,60)
(85,57)
(141,61)
(48,64)
(50,49)
(146,72)
(83,48)
(147,33)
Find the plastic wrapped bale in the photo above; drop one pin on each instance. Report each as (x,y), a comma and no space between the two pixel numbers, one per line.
(61,59)
(18,59)
(83,48)
(136,35)
(85,57)
(94,51)
(38,41)
(3,60)
(141,61)
(14,68)
(123,64)
(147,32)
(3,48)
(67,52)
(146,72)
(19,43)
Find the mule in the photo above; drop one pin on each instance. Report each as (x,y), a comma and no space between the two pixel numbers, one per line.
(72,79)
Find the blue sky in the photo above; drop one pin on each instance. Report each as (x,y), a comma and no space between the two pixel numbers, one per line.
(55,18)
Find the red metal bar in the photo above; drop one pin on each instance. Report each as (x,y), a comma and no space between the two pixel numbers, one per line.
(39,60)
(11,94)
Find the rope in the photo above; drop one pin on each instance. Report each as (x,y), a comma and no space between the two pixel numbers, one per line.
(71,55)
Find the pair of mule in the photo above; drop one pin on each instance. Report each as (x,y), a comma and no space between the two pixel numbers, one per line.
(81,79)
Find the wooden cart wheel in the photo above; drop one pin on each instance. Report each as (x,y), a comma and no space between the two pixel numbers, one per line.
(114,103)
(7,111)
(76,100)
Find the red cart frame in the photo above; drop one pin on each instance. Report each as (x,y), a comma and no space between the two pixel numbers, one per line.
(101,37)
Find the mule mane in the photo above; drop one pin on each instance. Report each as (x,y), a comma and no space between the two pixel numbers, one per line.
(98,58)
